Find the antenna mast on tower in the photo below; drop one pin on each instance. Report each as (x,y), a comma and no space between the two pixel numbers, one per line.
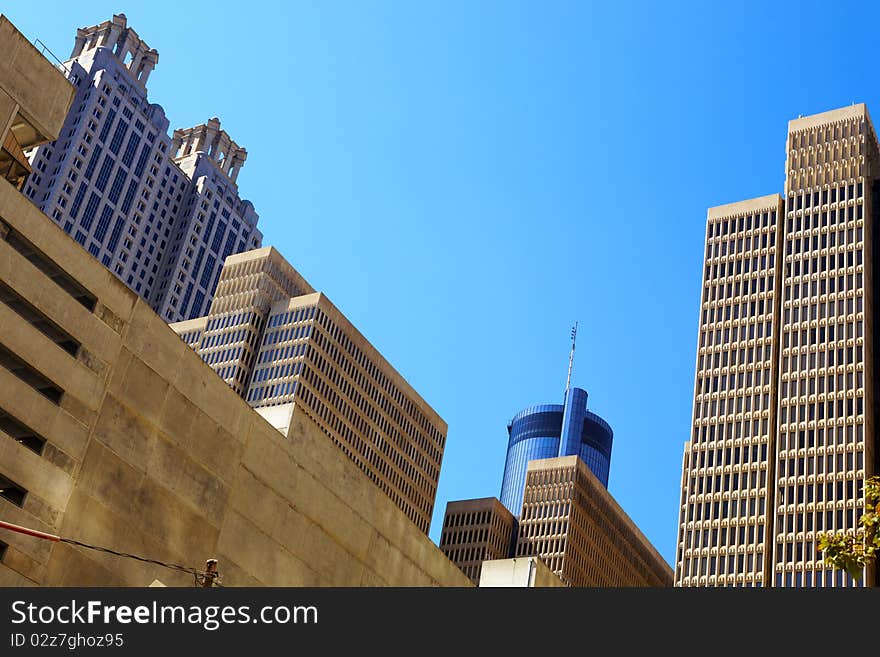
(574,331)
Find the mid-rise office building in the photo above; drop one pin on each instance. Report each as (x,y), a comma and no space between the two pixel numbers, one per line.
(288,350)
(162,213)
(783,423)
(475,531)
(571,521)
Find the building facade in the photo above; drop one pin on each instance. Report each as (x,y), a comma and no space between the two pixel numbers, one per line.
(549,430)
(160,212)
(579,531)
(475,531)
(783,438)
(115,434)
(283,346)
(730,459)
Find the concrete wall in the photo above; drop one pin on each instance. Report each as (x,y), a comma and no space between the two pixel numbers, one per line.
(31,82)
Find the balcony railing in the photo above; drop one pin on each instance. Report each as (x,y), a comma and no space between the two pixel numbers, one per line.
(48,54)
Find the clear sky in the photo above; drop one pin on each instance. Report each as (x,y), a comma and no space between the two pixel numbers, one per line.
(466,179)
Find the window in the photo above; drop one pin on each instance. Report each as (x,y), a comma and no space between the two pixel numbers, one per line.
(50,269)
(29,375)
(38,320)
(11,491)
(21,433)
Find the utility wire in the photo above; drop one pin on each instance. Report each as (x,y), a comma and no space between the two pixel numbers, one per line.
(198,575)
(172,566)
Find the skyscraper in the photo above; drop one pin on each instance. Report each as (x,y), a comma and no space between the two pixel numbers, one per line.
(162,213)
(554,490)
(288,350)
(782,437)
(549,430)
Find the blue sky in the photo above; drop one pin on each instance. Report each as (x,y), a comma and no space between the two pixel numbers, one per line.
(465,180)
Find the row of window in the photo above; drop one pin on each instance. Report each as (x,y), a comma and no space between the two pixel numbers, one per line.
(739,266)
(378,392)
(832,492)
(837,194)
(793,362)
(831,409)
(804,289)
(724,227)
(725,537)
(710,457)
(794,386)
(746,510)
(401,450)
(732,564)
(823,134)
(739,290)
(389,480)
(811,234)
(740,245)
(851,433)
(385,383)
(727,483)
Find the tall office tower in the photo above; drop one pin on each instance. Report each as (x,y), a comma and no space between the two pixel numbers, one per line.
(287,349)
(729,460)
(571,521)
(826,397)
(808,382)
(161,214)
(548,430)
(475,531)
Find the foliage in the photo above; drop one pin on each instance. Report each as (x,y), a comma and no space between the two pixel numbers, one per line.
(852,553)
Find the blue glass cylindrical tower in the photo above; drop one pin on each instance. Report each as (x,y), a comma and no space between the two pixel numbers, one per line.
(549,430)
(595,447)
(534,434)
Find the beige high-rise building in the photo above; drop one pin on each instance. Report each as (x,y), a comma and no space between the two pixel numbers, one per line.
(115,434)
(728,464)
(288,350)
(782,437)
(475,531)
(571,521)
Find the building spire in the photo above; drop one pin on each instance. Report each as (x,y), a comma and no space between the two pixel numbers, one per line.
(574,330)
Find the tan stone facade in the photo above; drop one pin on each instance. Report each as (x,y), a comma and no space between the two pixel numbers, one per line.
(277,342)
(729,462)
(783,433)
(475,531)
(576,527)
(115,433)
